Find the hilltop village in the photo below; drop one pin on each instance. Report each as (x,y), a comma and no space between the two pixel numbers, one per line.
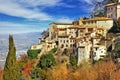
(86,38)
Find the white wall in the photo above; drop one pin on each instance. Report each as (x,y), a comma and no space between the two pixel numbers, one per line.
(101,51)
(35,47)
(107,24)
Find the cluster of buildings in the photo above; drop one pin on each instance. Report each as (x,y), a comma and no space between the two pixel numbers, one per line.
(82,36)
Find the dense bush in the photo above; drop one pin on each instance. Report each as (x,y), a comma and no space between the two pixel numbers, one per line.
(115,28)
(38,74)
(103,70)
(46,61)
(73,60)
(32,54)
(116,52)
(53,50)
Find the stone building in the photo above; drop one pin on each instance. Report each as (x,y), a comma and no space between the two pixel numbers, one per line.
(57,28)
(113,10)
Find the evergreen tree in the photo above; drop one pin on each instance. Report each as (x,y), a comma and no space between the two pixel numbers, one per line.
(11,68)
(73,60)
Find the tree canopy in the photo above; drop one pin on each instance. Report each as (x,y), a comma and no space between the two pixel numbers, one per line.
(11,68)
(46,61)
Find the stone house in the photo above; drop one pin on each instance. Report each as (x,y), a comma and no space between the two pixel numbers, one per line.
(113,10)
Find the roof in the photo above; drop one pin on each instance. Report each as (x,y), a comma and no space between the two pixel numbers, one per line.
(63,35)
(73,27)
(60,23)
(97,19)
(110,4)
(100,29)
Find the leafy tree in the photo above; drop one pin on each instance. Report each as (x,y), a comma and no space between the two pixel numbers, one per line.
(73,60)
(54,50)
(115,28)
(11,68)
(116,51)
(27,69)
(32,54)
(46,61)
(38,74)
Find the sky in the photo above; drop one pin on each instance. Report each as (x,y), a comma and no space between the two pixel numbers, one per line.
(22,16)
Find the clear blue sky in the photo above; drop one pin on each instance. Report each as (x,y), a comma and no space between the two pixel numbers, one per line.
(20,16)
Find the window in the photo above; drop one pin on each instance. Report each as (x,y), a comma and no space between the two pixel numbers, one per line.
(111,8)
(62,46)
(111,15)
(64,41)
(71,45)
(73,40)
(66,45)
(96,49)
(67,41)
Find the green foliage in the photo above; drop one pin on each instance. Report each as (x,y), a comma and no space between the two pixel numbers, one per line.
(53,50)
(117,47)
(38,74)
(46,61)
(32,54)
(116,51)
(73,60)
(11,68)
(115,28)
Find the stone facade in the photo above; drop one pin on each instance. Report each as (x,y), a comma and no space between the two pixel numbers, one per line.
(113,10)
(57,28)
(81,35)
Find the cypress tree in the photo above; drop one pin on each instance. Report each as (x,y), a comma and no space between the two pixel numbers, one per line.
(11,68)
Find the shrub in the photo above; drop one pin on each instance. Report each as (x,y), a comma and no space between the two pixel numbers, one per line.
(46,61)
(73,61)
(38,74)
(32,54)
(53,50)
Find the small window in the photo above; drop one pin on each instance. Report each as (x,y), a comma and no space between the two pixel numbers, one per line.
(67,40)
(66,45)
(96,49)
(62,46)
(64,41)
(71,45)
